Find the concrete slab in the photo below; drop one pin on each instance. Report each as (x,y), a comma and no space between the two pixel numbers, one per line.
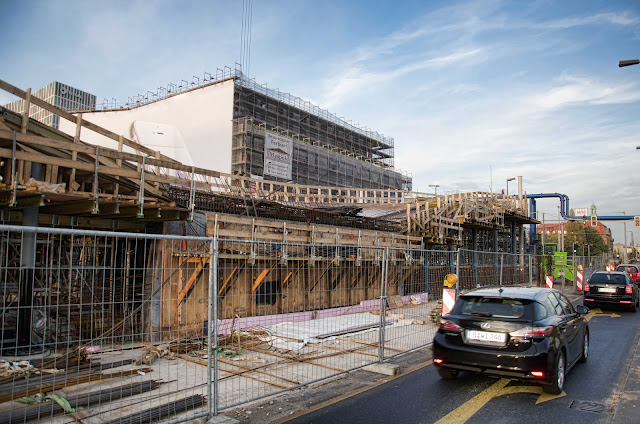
(384,368)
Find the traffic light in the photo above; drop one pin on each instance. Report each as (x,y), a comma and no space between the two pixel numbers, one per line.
(584,220)
(575,248)
(636,221)
(594,221)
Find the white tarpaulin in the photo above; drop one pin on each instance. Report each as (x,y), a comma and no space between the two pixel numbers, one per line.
(278,154)
(295,335)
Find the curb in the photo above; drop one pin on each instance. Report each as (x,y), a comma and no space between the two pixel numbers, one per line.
(627,409)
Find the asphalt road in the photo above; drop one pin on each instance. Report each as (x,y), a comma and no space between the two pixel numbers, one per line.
(422,397)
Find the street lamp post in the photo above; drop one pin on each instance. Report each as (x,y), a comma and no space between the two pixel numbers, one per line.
(624,63)
(509,179)
(435,186)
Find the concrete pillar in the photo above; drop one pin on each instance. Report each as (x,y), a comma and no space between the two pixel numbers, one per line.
(27,270)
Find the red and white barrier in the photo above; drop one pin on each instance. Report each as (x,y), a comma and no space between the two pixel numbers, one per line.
(549,281)
(448,300)
(579,280)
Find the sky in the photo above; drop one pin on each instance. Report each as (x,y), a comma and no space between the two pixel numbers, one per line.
(473,92)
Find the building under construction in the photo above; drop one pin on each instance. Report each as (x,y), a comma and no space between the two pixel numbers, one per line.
(220,205)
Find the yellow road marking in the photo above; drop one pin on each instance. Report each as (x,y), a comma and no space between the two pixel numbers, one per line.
(598,312)
(465,411)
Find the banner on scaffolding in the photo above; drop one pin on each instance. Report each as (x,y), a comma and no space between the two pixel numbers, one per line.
(278,153)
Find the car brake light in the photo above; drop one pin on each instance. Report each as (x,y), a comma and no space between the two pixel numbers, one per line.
(437,360)
(537,374)
(532,332)
(587,287)
(445,324)
(628,290)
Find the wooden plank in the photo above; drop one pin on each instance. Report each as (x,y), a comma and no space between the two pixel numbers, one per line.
(258,280)
(227,280)
(234,372)
(284,282)
(72,118)
(192,279)
(85,166)
(104,151)
(25,112)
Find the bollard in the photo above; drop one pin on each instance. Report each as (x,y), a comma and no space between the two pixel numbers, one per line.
(449,293)
(549,281)
(579,278)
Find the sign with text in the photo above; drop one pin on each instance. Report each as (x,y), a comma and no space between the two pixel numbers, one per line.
(581,211)
(278,156)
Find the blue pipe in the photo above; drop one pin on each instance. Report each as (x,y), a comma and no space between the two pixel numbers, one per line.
(564,212)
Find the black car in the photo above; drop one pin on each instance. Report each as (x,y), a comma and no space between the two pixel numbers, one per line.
(527,333)
(611,288)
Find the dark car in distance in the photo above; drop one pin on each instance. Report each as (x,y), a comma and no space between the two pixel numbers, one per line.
(527,333)
(611,288)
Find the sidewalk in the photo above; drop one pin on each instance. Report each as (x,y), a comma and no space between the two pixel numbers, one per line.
(627,411)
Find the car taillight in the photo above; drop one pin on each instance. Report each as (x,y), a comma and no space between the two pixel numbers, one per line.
(538,374)
(437,360)
(532,332)
(628,290)
(445,324)
(587,287)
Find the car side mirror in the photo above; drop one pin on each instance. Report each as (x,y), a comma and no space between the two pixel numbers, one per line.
(582,310)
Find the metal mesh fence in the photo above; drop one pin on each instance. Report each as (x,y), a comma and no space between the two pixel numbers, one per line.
(125,326)
(81,320)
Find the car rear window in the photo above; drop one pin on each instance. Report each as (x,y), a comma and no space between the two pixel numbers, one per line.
(607,279)
(627,268)
(498,307)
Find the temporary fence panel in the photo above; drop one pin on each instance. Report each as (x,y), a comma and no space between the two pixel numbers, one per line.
(84,317)
(414,283)
(291,314)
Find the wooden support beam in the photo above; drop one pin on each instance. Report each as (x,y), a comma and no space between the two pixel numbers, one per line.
(26,111)
(192,280)
(258,281)
(27,202)
(73,185)
(79,207)
(227,281)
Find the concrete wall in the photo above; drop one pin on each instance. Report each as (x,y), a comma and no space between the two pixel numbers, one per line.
(203,118)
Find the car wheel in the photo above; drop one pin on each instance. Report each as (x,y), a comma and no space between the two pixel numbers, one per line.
(585,348)
(558,382)
(447,374)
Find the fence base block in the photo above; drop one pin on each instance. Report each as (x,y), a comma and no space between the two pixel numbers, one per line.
(386,369)
(221,419)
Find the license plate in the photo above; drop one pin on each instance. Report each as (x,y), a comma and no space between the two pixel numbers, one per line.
(607,289)
(486,336)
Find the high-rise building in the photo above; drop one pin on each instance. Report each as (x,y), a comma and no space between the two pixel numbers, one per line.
(60,95)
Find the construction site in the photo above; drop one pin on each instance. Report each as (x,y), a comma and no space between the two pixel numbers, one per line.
(221,227)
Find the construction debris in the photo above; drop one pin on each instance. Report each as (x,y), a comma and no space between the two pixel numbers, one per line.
(163,411)
(49,409)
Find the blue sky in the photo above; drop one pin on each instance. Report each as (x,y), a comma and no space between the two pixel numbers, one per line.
(473,92)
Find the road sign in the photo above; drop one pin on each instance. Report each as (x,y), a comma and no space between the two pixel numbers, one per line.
(581,211)
(636,220)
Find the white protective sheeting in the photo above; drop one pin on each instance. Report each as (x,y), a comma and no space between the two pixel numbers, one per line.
(294,336)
